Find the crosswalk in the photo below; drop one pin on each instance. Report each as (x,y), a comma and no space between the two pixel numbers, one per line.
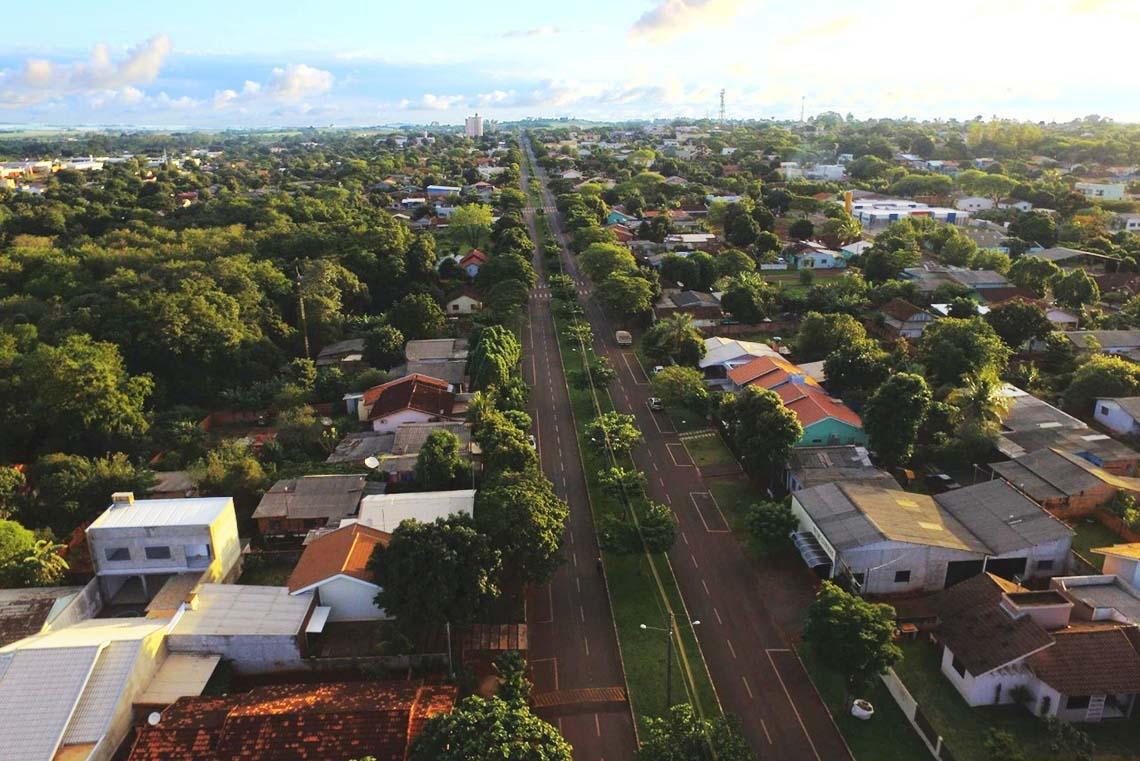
(542,293)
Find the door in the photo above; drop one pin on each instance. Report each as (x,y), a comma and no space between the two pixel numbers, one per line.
(1007,568)
(960,570)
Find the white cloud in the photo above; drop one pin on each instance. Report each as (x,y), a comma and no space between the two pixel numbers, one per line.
(538,31)
(671,18)
(40,80)
(291,84)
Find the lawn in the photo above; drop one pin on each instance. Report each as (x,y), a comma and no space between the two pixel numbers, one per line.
(886,736)
(709,450)
(1092,533)
(963,729)
(265,571)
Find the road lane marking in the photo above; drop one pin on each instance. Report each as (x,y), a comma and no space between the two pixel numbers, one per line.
(657,422)
(632,373)
(765,728)
(582,613)
(788,695)
(577,579)
(731,649)
(706,586)
(746,687)
(668,499)
(673,456)
(684,537)
(694,560)
(717,614)
(586,642)
(693,498)
(597,726)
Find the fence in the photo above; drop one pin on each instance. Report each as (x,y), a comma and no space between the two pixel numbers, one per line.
(910,708)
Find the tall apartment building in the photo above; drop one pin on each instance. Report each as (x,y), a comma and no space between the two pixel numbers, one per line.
(473,126)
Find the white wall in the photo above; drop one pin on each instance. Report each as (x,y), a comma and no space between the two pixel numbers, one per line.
(350,599)
(251,654)
(981,690)
(1110,414)
(974,203)
(396,419)
(1125,568)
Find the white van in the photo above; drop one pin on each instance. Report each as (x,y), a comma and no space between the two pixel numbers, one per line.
(623,338)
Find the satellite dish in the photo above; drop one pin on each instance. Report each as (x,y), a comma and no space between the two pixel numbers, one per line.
(154,718)
(371,463)
(326,421)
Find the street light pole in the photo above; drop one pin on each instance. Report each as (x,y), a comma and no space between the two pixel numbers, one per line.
(669,663)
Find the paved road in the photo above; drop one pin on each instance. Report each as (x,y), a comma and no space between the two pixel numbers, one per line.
(573,644)
(757,676)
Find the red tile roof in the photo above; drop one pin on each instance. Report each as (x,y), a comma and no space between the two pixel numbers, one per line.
(900,309)
(295,723)
(415,391)
(1093,659)
(474,256)
(812,404)
(344,551)
(768,372)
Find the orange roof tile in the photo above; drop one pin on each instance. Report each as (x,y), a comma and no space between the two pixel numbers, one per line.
(812,405)
(768,372)
(473,256)
(344,551)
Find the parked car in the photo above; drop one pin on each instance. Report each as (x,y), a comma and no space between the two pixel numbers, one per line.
(658,368)
(530,440)
(656,404)
(623,338)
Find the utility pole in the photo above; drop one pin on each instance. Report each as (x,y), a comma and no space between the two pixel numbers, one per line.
(802,99)
(669,662)
(301,312)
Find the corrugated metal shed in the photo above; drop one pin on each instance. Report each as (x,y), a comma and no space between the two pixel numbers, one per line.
(1002,517)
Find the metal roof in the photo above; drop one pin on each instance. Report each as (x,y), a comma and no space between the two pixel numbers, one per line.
(386,511)
(156,513)
(1048,474)
(180,675)
(102,692)
(1002,517)
(1028,413)
(38,692)
(330,496)
(226,609)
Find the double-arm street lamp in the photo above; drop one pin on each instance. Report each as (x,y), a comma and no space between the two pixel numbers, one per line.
(668,654)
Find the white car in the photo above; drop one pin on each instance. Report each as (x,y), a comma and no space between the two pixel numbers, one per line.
(656,404)
(658,368)
(530,440)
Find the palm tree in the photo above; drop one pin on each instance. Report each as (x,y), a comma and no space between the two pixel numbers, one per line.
(43,565)
(980,404)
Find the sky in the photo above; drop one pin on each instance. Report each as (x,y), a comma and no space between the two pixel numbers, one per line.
(255,63)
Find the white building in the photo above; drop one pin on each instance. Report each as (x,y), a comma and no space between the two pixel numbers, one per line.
(334,571)
(473,126)
(882,211)
(1119,414)
(386,511)
(831,172)
(1101,191)
(974,203)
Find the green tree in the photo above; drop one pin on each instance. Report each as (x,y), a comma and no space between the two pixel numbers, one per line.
(231,469)
(525,520)
(1101,376)
(618,481)
(893,415)
(679,386)
(614,431)
(431,573)
(71,489)
(383,346)
(856,369)
(762,429)
(514,687)
(685,736)
(601,260)
(507,266)
(470,225)
(622,293)
(1017,321)
(772,523)
(15,544)
(748,298)
(1002,746)
(42,565)
(439,463)
(416,316)
(953,348)
(12,485)
(732,262)
(1035,227)
(494,357)
(1075,289)
(674,338)
(488,730)
(658,528)
(851,636)
(801,229)
(1033,274)
(821,334)
(505,300)
(981,404)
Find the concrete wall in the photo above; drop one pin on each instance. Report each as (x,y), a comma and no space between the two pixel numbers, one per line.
(981,690)
(1109,414)
(350,600)
(1127,569)
(390,423)
(152,652)
(251,654)
(880,562)
(832,431)
(84,605)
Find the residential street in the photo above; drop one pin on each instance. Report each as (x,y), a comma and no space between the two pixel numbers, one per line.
(757,676)
(573,645)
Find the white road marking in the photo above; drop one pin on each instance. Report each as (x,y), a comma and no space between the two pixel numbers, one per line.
(694,560)
(586,642)
(706,587)
(765,728)
(788,695)
(717,614)
(748,689)
(731,649)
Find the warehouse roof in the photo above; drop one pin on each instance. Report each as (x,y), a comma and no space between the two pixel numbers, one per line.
(1002,517)
(332,497)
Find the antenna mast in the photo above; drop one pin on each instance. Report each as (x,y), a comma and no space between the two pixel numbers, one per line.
(722,105)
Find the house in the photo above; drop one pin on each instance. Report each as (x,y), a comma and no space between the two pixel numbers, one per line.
(690,241)
(1103,597)
(1063,482)
(172,484)
(386,511)
(1122,342)
(412,399)
(257,629)
(436,350)
(768,372)
(465,301)
(67,694)
(977,280)
(621,233)
(903,319)
(723,354)
(825,421)
(1062,319)
(137,546)
(703,307)
(1119,414)
(472,261)
(1122,561)
(858,248)
(813,466)
(1128,222)
(872,211)
(882,540)
(997,636)
(617,217)
(827,172)
(345,354)
(974,203)
(1093,262)
(1101,191)
(333,570)
(398,451)
(813,255)
(442,191)
(295,506)
(299,721)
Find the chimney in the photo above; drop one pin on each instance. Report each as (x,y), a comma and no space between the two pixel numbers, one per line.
(122,499)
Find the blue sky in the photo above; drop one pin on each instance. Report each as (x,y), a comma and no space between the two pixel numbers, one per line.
(257,63)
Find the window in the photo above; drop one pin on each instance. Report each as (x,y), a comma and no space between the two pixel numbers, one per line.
(158,553)
(902,577)
(198,555)
(958,666)
(454,307)
(118,553)
(1077,702)
(1103,410)
(858,579)
(1044,565)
